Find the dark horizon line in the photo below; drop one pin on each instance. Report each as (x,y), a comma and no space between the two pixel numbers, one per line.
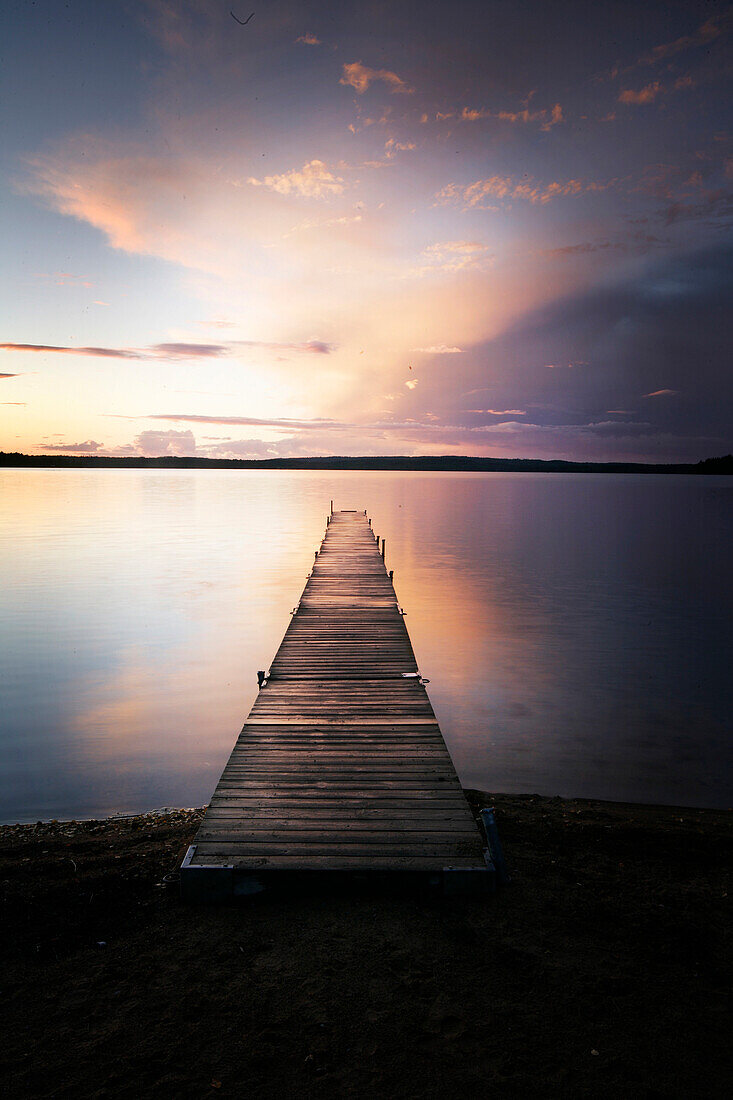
(431,463)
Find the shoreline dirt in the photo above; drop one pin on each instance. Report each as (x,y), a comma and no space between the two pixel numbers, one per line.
(602,970)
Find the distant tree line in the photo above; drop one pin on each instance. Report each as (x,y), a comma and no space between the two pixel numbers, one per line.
(721,465)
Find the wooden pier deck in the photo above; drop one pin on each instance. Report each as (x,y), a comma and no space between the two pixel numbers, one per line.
(341,767)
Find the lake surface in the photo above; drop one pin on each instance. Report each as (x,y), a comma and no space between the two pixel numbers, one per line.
(576,629)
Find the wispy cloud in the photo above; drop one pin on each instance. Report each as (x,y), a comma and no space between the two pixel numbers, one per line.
(637,243)
(706,32)
(647,94)
(287,423)
(324,223)
(451,256)
(548,119)
(564,366)
(483,194)
(172,351)
(359,77)
(315,180)
(314,347)
(105,353)
(439,349)
(499,412)
(392,147)
(309,40)
(64,278)
(156,351)
(661,393)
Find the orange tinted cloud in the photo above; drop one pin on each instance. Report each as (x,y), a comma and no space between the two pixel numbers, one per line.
(505,188)
(455,256)
(309,40)
(548,119)
(644,95)
(314,180)
(704,34)
(359,77)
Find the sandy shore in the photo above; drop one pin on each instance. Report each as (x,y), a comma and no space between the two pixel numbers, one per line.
(602,970)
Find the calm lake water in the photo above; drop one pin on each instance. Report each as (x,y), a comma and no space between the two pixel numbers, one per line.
(576,629)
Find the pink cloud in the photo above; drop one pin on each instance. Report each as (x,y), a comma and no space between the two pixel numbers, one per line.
(359,77)
(157,443)
(309,40)
(314,180)
(661,393)
(119,191)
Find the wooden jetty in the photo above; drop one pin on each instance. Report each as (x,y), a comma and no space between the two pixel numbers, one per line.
(341,768)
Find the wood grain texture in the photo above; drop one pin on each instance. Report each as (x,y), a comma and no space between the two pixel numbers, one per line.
(341,764)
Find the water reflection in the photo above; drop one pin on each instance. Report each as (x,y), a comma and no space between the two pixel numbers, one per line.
(575,629)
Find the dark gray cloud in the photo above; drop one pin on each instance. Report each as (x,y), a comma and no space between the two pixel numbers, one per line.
(89,446)
(659,340)
(155,351)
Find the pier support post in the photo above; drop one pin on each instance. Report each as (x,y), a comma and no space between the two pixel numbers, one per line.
(495,850)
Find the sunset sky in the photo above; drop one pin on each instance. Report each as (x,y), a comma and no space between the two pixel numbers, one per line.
(484,228)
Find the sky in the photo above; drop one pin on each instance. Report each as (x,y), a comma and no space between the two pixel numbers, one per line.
(483,228)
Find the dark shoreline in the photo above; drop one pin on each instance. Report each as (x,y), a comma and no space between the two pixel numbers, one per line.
(603,969)
(447,463)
